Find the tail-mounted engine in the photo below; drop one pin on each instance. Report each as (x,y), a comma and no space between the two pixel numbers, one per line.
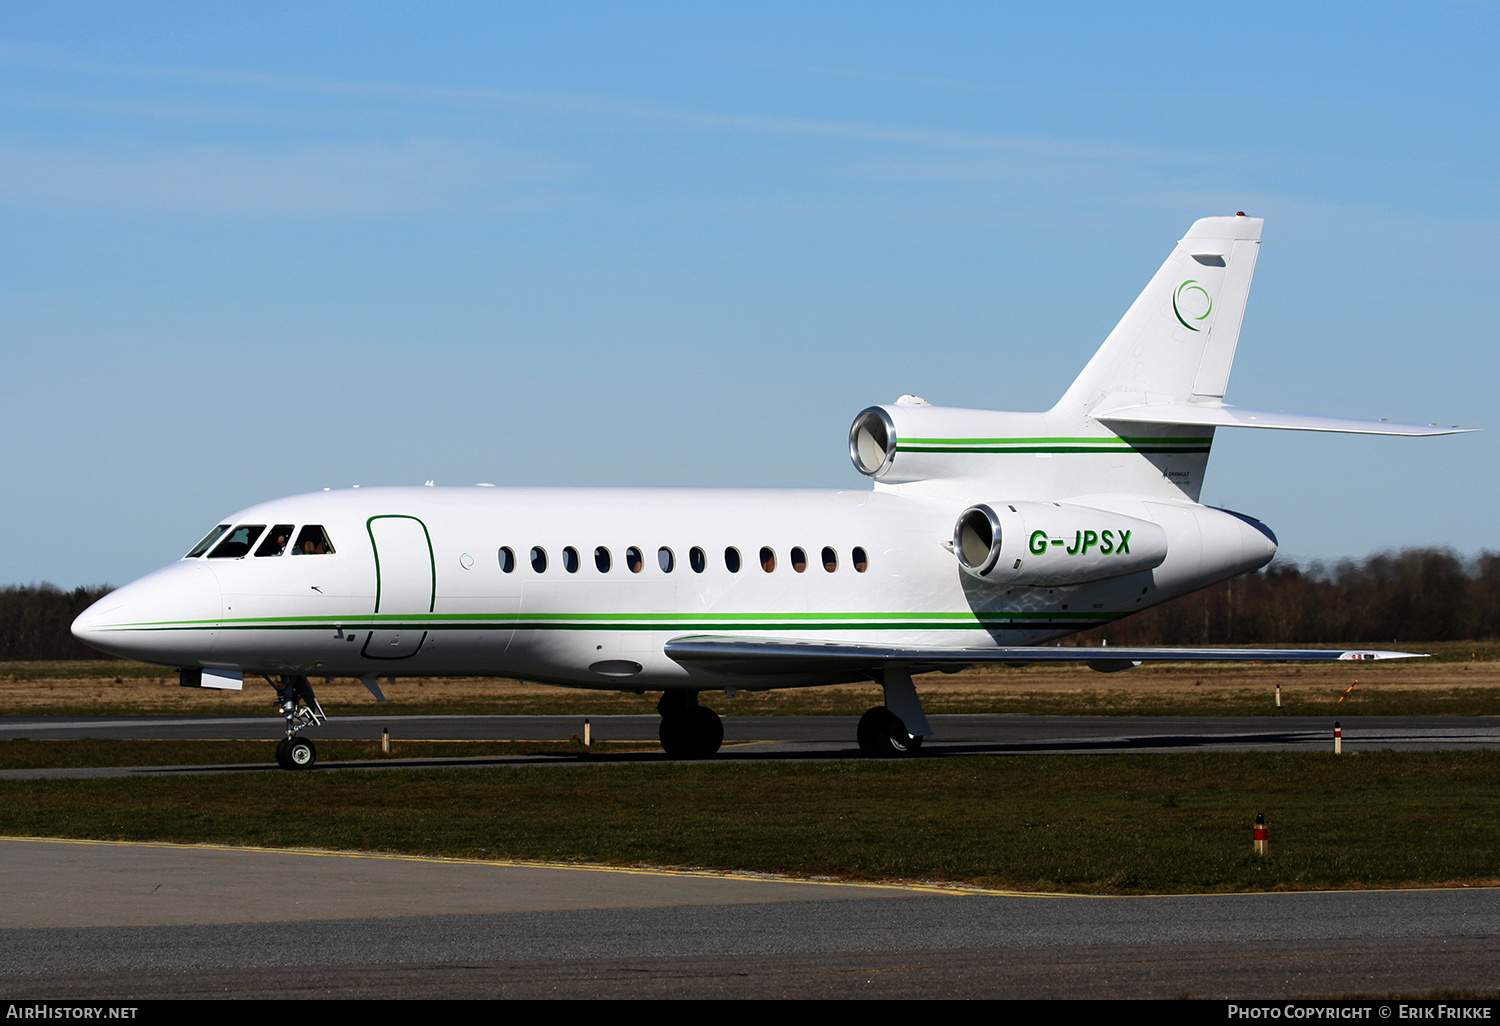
(1050,543)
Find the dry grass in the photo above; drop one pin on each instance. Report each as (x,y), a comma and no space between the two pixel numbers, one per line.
(1461,679)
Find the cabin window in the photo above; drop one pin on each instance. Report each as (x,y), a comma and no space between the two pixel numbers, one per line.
(507,559)
(697,560)
(665,559)
(799,560)
(732,559)
(570,559)
(539,559)
(861,564)
(276,542)
(237,543)
(312,540)
(634,561)
(830,559)
(767,559)
(208,539)
(603,560)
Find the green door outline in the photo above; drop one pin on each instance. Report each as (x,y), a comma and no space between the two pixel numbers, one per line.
(377,637)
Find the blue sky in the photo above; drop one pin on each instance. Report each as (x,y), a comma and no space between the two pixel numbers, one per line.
(257,250)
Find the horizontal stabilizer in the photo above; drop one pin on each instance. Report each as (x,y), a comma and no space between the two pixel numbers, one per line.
(1191,415)
(768,656)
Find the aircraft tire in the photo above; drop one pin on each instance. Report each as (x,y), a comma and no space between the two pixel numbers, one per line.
(708,731)
(281,756)
(882,735)
(693,733)
(300,754)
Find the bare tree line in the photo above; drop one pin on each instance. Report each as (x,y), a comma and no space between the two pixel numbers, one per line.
(1404,596)
(34,621)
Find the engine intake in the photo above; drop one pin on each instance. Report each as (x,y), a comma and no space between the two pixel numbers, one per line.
(872,442)
(1050,544)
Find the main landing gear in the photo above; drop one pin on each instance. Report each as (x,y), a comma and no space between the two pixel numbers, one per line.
(299,707)
(896,728)
(688,730)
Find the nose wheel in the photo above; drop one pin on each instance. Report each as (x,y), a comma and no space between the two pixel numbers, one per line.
(296,753)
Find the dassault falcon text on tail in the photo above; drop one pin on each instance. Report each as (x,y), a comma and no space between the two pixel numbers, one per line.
(985,536)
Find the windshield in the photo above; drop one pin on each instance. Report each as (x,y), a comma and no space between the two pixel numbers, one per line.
(208,539)
(238,542)
(276,541)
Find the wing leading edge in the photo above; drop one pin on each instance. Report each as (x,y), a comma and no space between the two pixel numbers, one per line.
(764,656)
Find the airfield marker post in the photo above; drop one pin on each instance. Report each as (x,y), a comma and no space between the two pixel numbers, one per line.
(1338,738)
(1278,696)
(588,733)
(1262,835)
(385,740)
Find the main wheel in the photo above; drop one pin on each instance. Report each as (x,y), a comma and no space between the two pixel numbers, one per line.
(708,731)
(300,753)
(882,735)
(692,733)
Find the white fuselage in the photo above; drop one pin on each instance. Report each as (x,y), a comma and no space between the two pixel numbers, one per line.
(416,583)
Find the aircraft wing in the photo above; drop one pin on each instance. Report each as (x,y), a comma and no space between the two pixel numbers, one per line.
(768,656)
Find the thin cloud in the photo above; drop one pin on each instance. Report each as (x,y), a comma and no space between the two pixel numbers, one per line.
(360,179)
(611,110)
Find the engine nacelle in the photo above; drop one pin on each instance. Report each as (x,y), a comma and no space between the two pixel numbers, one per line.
(1049,544)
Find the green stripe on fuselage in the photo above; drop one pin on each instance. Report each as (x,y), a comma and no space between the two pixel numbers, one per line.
(1055,445)
(639,621)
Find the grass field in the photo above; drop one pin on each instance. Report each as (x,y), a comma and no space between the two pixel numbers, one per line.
(1101,824)
(86,752)
(1461,679)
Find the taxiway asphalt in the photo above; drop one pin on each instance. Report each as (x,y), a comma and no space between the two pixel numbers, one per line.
(139,921)
(787,737)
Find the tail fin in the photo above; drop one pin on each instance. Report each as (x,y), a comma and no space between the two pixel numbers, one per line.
(1139,420)
(1176,342)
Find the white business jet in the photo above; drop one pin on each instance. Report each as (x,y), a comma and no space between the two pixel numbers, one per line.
(985,536)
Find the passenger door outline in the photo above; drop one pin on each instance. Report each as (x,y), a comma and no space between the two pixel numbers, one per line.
(405,640)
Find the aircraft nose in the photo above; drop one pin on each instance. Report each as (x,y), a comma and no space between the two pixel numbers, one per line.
(165,617)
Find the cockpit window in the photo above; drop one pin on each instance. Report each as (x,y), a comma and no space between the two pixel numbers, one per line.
(208,539)
(312,540)
(276,542)
(237,543)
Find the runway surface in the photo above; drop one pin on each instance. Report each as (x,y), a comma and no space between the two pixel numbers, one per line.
(794,737)
(90,920)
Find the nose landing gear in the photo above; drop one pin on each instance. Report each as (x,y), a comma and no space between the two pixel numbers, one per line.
(299,707)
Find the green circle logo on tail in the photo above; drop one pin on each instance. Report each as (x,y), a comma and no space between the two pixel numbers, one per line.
(1185,304)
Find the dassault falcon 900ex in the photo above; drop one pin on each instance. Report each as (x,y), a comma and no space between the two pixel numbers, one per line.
(985,535)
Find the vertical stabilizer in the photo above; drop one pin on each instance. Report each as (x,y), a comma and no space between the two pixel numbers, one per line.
(1176,342)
